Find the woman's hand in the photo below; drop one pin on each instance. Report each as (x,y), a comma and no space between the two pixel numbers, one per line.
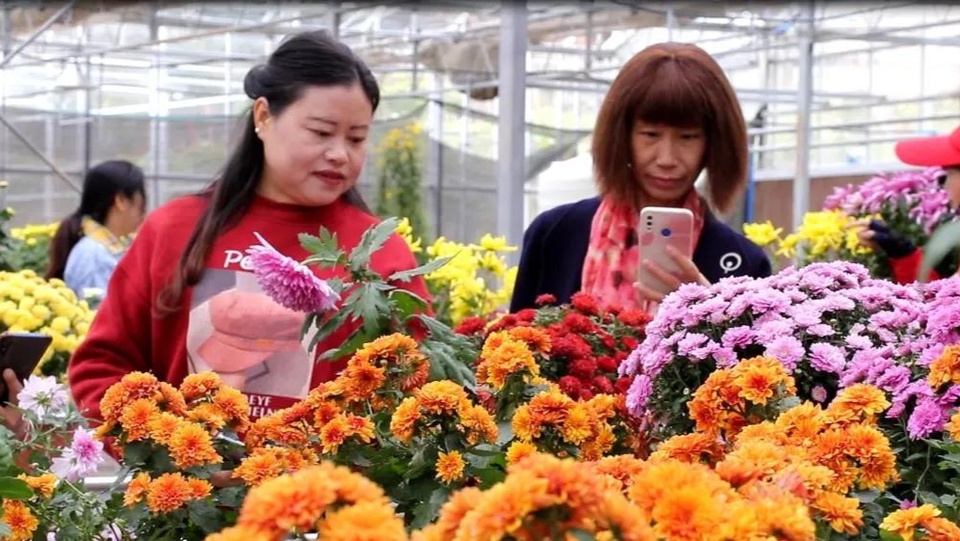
(687,273)
(864,233)
(10,414)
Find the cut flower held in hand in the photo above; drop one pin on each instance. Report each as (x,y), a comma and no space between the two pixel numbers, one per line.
(288,282)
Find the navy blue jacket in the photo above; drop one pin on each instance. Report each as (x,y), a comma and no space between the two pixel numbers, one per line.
(555,246)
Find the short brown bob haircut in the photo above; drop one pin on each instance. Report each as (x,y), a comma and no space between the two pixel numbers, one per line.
(678,85)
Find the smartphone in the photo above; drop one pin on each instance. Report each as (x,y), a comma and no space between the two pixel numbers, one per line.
(22,352)
(660,227)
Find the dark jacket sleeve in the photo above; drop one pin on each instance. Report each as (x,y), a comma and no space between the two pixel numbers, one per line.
(763,267)
(530,269)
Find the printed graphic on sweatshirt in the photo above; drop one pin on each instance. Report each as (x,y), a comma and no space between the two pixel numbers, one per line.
(252,342)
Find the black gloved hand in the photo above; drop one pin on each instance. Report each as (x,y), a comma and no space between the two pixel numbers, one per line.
(892,243)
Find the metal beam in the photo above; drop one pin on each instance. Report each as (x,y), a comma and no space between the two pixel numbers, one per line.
(511,155)
(801,182)
(36,33)
(32,148)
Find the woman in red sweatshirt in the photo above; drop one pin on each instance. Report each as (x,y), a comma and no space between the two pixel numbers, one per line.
(905,258)
(183,299)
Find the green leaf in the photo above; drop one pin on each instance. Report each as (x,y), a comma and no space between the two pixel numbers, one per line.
(324,249)
(427,511)
(888,536)
(136,453)
(943,240)
(407,275)
(204,514)
(351,345)
(371,306)
(12,488)
(371,241)
(328,327)
(406,302)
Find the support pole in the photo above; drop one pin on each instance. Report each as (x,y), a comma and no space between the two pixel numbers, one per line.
(39,153)
(36,33)
(333,19)
(801,181)
(512,156)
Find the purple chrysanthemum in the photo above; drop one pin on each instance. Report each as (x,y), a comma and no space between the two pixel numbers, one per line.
(288,282)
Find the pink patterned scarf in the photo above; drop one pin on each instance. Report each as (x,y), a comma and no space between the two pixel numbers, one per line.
(612,263)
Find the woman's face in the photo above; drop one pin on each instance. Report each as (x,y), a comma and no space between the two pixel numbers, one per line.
(315,149)
(666,161)
(129,212)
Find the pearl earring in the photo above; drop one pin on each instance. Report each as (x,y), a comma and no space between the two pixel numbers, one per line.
(256,130)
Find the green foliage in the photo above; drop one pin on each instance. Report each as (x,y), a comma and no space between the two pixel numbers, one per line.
(944,241)
(379,307)
(23,253)
(399,179)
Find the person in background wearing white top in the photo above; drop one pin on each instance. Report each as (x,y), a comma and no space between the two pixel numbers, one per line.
(90,241)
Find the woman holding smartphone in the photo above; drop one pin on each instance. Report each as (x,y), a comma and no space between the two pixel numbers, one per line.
(669,115)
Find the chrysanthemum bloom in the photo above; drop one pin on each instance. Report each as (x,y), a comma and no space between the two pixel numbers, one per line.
(22,523)
(288,282)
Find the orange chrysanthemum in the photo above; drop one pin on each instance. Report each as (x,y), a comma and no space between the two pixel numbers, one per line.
(450,466)
(365,521)
(761,379)
(941,529)
(269,462)
(404,419)
(945,368)
(535,338)
(857,403)
(299,500)
(506,358)
(191,445)
(519,450)
(694,448)
(904,522)
(439,397)
(842,513)
(478,424)
(953,427)
(43,484)
(136,489)
(169,492)
(620,468)
(20,520)
(135,419)
(200,385)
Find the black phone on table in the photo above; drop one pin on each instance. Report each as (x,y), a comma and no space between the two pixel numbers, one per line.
(22,352)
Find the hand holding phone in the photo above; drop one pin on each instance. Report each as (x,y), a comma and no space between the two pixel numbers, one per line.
(10,417)
(21,352)
(665,251)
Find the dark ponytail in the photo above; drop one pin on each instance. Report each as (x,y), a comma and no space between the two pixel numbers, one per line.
(68,234)
(101,186)
(307,59)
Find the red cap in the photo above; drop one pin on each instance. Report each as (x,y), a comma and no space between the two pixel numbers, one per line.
(941,151)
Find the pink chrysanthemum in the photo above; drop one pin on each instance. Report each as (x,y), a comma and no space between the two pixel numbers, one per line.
(288,282)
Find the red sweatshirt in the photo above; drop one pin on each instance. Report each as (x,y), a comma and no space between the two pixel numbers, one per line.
(225,324)
(906,270)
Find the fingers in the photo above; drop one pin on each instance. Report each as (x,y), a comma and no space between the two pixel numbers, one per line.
(13,385)
(647,293)
(671,281)
(224,479)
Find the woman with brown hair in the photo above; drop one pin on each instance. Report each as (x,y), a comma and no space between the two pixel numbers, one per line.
(669,115)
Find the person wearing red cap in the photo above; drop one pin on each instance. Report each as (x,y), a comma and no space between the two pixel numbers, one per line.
(905,258)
